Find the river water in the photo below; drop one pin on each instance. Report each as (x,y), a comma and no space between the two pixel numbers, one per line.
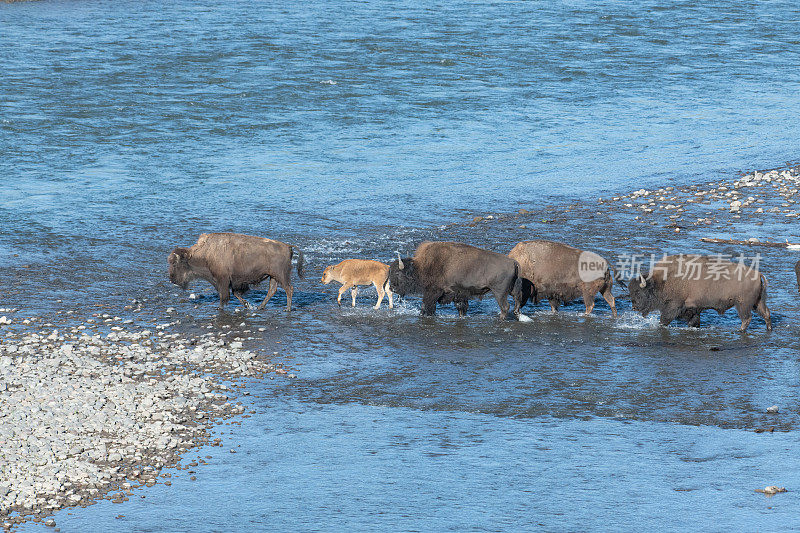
(356,129)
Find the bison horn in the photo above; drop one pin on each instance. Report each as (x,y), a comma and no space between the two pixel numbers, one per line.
(642,281)
(400,261)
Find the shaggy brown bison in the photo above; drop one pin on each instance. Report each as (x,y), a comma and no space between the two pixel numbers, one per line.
(446,272)
(684,285)
(233,262)
(354,272)
(560,273)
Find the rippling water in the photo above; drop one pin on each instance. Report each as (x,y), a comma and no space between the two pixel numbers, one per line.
(355,129)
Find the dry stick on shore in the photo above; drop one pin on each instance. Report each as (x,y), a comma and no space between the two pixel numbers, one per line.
(769,244)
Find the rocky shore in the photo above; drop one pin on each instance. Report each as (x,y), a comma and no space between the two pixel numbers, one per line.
(730,208)
(758,194)
(100,408)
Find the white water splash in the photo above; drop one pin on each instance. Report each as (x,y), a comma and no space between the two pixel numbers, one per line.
(631,320)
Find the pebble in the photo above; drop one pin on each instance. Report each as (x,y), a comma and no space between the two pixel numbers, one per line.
(773,409)
(776,188)
(771,489)
(97,423)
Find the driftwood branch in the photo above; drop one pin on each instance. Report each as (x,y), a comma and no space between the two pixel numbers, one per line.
(769,244)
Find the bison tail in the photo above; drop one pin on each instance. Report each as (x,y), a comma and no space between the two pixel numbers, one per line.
(611,276)
(300,265)
(764,284)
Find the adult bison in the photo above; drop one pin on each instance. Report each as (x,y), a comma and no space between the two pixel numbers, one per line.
(684,285)
(560,273)
(233,262)
(446,272)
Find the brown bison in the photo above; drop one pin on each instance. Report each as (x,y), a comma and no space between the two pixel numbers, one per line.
(354,272)
(560,273)
(233,262)
(681,286)
(446,272)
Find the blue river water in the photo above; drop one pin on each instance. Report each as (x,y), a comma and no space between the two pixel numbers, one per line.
(354,129)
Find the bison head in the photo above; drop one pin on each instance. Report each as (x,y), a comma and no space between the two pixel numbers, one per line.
(403,278)
(327,275)
(180,273)
(643,295)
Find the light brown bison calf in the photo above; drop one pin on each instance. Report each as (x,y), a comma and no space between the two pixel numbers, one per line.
(562,273)
(354,272)
(232,262)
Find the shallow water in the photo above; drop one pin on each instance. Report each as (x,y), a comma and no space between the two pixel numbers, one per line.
(354,130)
(394,468)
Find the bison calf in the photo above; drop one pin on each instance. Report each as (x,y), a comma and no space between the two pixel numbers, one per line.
(354,272)
(446,272)
(232,263)
(561,274)
(681,286)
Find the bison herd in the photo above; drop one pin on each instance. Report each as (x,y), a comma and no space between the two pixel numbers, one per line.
(452,272)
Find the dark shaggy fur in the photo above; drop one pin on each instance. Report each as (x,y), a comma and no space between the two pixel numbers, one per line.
(445,272)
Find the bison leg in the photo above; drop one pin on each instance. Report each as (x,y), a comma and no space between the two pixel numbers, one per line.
(554,303)
(763,312)
(273,286)
(381,294)
(588,302)
(517,307)
(429,298)
(692,317)
(342,290)
(745,315)
(502,301)
(244,302)
(390,293)
(462,306)
(517,291)
(354,293)
(224,295)
(289,291)
(670,312)
(609,298)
